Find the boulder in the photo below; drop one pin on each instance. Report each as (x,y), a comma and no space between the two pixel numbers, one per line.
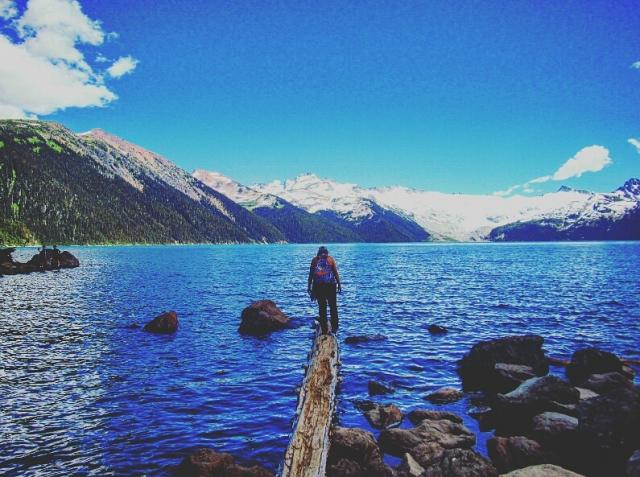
(509,453)
(460,463)
(355,453)
(477,368)
(513,411)
(588,361)
(443,432)
(553,427)
(357,339)
(165,323)
(437,329)
(507,377)
(542,470)
(67,260)
(209,463)
(605,382)
(375,388)
(418,415)
(633,465)
(608,431)
(382,417)
(261,318)
(444,395)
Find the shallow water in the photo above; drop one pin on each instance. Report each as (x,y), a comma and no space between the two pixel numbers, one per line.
(83,393)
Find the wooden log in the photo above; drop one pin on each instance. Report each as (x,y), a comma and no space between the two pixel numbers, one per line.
(306,455)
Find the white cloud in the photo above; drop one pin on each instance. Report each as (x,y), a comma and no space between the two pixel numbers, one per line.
(122,66)
(635,143)
(588,159)
(45,70)
(8,9)
(636,65)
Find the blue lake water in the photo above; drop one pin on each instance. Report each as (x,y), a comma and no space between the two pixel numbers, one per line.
(82,393)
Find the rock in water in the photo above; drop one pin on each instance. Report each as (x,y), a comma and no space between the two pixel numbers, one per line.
(461,463)
(437,329)
(166,323)
(510,453)
(608,431)
(357,339)
(443,433)
(588,361)
(375,388)
(445,395)
(554,428)
(507,377)
(418,415)
(603,383)
(209,463)
(477,368)
(543,470)
(354,452)
(261,318)
(513,411)
(382,417)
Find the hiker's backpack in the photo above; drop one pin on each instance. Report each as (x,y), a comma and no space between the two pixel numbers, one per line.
(323,272)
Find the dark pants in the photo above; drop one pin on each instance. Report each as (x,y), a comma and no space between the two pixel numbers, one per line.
(325,293)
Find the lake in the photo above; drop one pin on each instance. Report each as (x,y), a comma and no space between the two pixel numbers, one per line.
(83,392)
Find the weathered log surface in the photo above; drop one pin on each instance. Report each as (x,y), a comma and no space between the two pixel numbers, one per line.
(306,455)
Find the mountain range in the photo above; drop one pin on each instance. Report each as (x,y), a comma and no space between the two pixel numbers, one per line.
(57,186)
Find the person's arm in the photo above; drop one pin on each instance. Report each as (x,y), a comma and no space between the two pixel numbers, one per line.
(310,279)
(334,268)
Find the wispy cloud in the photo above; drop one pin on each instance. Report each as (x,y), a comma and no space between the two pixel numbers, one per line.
(636,65)
(635,143)
(588,159)
(45,69)
(122,66)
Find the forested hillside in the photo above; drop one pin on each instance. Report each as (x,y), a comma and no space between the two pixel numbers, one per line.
(56,187)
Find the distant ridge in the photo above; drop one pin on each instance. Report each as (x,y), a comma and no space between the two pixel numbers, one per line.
(60,187)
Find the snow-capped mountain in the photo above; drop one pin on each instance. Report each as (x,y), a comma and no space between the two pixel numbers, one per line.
(458,216)
(243,195)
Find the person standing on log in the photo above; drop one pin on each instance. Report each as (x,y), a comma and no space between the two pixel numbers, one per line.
(322,285)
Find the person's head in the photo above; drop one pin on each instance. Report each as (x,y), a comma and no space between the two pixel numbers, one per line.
(323,252)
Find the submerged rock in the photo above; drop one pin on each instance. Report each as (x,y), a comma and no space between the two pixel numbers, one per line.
(262,317)
(375,388)
(357,339)
(588,361)
(209,463)
(354,452)
(510,453)
(382,417)
(444,395)
(165,323)
(437,329)
(477,368)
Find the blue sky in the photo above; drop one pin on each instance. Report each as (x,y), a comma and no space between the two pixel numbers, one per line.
(468,97)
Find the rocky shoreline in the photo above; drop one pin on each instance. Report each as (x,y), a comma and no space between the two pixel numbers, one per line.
(44,260)
(586,423)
